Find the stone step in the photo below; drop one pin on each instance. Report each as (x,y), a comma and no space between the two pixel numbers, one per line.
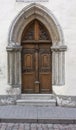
(37,100)
(37,96)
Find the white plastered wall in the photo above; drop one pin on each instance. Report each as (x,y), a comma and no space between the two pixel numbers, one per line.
(65,13)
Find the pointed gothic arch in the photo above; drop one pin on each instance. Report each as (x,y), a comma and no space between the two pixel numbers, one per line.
(28,14)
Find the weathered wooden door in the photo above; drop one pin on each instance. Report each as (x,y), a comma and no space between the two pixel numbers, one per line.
(36,59)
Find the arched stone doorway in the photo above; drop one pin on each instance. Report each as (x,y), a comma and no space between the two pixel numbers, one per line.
(14,48)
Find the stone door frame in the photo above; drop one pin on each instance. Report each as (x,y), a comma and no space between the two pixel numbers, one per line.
(29,13)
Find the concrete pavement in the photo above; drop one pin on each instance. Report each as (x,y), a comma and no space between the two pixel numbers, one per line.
(33,114)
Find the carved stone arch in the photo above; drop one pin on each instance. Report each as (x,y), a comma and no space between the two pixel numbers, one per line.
(29,13)
(41,13)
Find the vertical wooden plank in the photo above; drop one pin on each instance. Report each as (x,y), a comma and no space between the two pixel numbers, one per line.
(37,69)
(36,27)
(45,66)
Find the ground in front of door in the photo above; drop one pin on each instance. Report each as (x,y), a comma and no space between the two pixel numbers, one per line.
(24,126)
(17,117)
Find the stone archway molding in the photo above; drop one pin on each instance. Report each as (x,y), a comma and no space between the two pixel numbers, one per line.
(29,13)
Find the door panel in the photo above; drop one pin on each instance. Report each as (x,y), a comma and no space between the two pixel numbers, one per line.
(45,82)
(28,82)
(36,68)
(28,70)
(45,70)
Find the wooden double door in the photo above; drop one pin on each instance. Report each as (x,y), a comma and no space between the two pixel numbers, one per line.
(36,68)
(36,59)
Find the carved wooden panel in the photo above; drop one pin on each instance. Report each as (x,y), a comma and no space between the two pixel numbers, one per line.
(28,61)
(44,60)
(43,33)
(28,33)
